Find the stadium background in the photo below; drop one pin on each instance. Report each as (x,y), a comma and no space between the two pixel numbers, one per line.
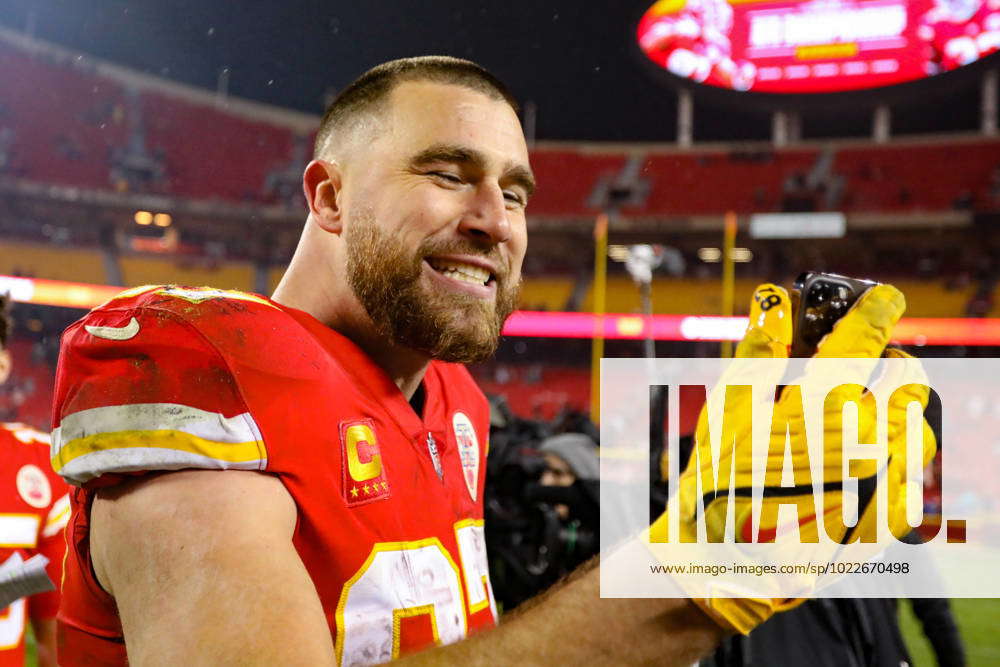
(123,163)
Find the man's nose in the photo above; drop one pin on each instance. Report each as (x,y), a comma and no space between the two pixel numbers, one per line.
(486,218)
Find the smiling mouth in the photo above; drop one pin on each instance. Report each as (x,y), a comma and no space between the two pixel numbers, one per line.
(466,273)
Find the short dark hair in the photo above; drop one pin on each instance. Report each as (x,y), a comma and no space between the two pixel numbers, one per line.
(6,323)
(370,91)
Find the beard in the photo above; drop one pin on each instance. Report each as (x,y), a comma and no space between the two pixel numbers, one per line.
(385,276)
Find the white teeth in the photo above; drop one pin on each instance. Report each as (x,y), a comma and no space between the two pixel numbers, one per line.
(458,275)
(465,272)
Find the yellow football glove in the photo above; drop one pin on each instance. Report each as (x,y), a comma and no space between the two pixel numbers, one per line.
(858,340)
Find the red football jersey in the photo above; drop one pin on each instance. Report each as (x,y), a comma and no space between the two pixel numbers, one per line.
(34,508)
(390,516)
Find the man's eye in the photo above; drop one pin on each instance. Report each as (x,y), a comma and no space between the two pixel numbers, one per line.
(513,197)
(445,176)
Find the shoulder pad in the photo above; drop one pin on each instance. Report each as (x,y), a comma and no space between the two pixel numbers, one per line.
(142,386)
(115,439)
(180,299)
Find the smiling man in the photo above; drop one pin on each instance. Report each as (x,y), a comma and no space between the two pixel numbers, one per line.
(299,480)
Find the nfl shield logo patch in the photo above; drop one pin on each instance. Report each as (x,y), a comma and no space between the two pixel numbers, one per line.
(468,451)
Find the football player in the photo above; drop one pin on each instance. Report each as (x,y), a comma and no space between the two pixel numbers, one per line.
(299,480)
(34,509)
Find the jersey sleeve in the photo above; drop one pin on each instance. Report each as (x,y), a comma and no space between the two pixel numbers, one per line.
(52,545)
(47,499)
(142,389)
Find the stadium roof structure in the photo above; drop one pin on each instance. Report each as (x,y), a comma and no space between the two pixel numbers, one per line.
(296,121)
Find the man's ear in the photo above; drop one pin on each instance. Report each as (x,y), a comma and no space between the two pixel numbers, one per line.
(5,365)
(321,186)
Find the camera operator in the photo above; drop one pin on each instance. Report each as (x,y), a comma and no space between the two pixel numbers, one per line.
(542,512)
(568,457)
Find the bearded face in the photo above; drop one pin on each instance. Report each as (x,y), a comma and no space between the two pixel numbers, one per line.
(389,280)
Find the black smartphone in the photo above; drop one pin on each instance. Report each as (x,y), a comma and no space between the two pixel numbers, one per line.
(818,301)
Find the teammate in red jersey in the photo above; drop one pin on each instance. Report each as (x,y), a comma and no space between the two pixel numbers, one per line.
(34,508)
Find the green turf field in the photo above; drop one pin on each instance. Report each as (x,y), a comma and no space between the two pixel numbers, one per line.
(29,641)
(978,620)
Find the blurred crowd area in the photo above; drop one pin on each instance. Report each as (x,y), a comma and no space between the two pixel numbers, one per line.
(68,120)
(112,177)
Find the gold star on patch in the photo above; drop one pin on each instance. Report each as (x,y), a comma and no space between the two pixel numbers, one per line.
(366,489)
(354,492)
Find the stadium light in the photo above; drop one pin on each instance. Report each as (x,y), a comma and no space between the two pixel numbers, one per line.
(143,217)
(714,255)
(619,253)
(742,255)
(910,331)
(709,255)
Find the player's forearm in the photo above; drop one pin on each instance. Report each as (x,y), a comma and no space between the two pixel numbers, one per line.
(572,623)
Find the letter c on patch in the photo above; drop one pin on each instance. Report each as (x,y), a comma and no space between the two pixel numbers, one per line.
(363,459)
